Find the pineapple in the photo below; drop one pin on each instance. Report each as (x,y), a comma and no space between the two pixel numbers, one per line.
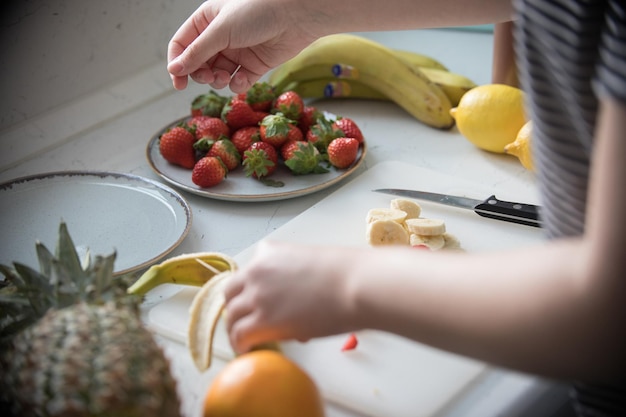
(72,342)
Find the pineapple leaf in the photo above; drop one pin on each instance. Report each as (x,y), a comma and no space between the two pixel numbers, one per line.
(44,256)
(36,288)
(67,257)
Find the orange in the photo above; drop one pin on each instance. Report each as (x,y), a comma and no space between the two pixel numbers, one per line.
(263,383)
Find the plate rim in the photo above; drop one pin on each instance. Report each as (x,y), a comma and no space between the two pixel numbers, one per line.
(247,197)
(7,185)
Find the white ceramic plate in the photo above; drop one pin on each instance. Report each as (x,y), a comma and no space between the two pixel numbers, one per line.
(238,187)
(142,220)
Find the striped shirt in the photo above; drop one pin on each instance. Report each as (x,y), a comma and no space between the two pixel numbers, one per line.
(571,53)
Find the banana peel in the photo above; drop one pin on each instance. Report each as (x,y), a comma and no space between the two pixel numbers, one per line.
(193,269)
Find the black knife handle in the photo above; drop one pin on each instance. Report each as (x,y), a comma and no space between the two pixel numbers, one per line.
(519,213)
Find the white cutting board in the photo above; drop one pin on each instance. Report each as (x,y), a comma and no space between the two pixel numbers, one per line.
(386,375)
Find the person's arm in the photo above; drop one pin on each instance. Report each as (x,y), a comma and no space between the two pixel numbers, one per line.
(557,309)
(247,38)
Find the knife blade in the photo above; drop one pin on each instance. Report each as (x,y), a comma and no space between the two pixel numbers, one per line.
(508,211)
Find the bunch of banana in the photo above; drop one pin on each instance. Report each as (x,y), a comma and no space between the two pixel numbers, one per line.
(353,58)
(193,269)
(453,85)
(401,224)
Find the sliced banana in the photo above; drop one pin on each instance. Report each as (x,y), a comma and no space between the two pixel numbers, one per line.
(452,242)
(395,215)
(410,207)
(204,314)
(386,232)
(432,242)
(426,227)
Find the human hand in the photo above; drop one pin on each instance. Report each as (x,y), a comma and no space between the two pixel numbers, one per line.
(285,292)
(234,42)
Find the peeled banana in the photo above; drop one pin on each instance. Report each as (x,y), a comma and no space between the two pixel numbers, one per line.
(352,57)
(204,314)
(190,269)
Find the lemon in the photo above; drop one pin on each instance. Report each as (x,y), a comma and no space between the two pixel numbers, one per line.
(521,147)
(490,116)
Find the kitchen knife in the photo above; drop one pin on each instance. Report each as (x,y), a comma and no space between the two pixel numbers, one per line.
(492,208)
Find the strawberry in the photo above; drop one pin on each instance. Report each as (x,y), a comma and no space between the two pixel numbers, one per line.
(260,160)
(237,114)
(302,157)
(260,96)
(290,104)
(208,172)
(176,146)
(350,343)
(289,147)
(227,152)
(349,128)
(310,115)
(209,127)
(322,133)
(246,136)
(276,129)
(342,152)
(209,104)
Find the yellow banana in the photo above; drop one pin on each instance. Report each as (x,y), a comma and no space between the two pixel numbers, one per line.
(335,88)
(189,269)
(372,64)
(453,85)
(418,60)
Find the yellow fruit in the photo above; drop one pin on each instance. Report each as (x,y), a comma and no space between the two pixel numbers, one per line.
(521,147)
(490,116)
(263,383)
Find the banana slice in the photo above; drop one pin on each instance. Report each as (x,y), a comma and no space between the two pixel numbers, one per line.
(426,227)
(433,242)
(386,232)
(204,314)
(395,215)
(410,207)
(452,242)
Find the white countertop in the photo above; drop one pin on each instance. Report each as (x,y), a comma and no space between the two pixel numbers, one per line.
(109,130)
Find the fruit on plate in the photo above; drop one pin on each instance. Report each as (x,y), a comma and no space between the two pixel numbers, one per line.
(193,269)
(490,116)
(342,152)
(290,104)
(260,160)
(348,56)
(263,383)
(260,115)
(401,224)
(73,342)
(521,146)
(176,146)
